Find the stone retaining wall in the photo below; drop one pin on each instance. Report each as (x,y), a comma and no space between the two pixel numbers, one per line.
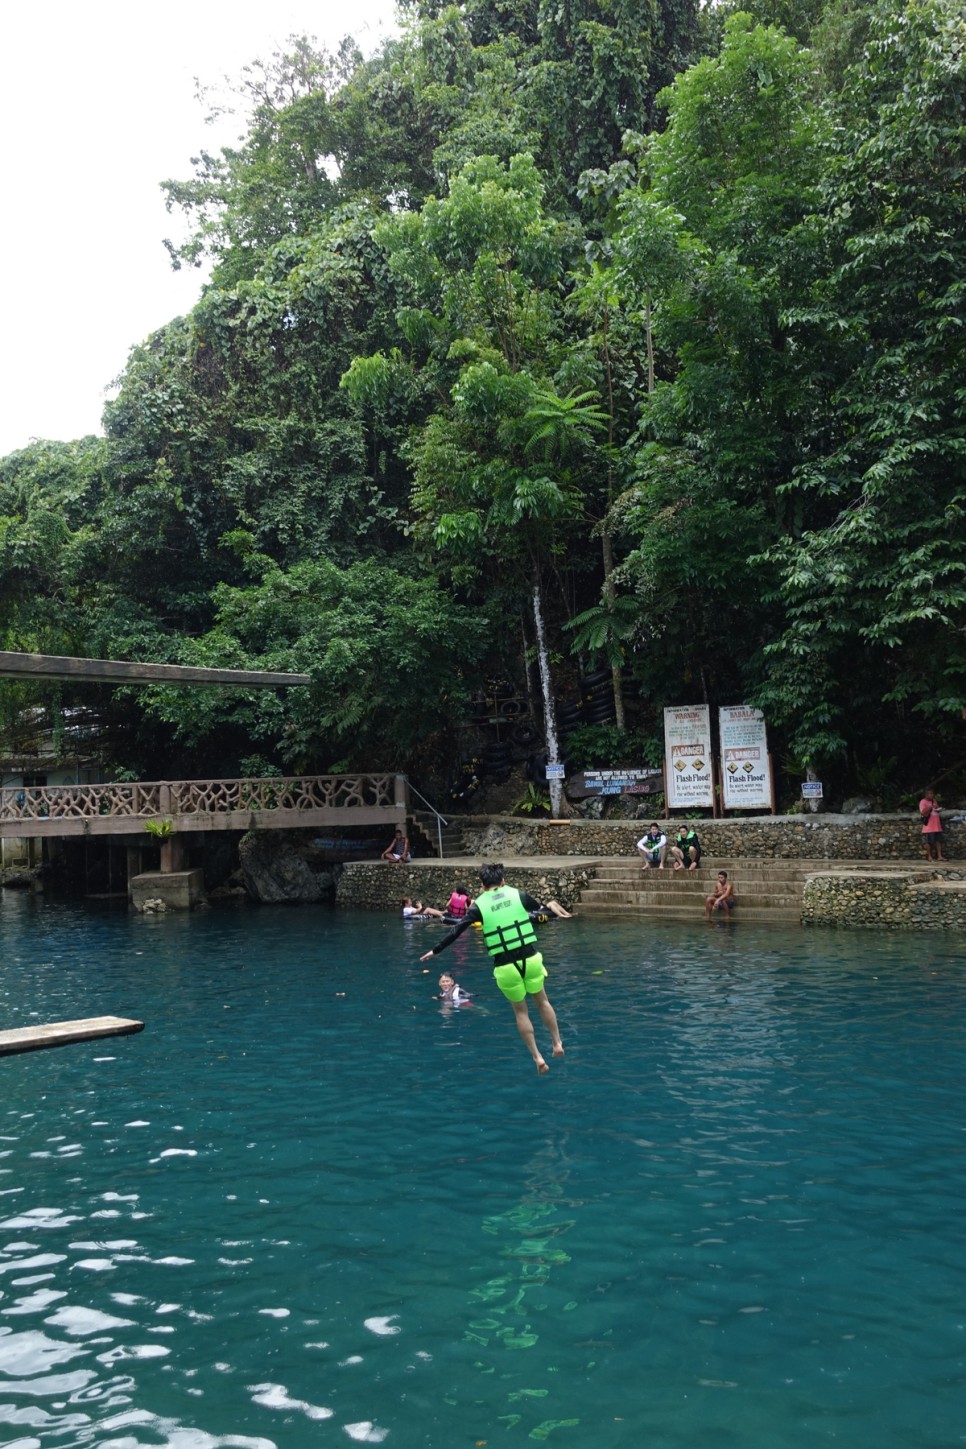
(898,900)
(376,886)
(767,837)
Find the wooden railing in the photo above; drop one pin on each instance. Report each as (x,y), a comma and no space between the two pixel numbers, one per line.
(277,801)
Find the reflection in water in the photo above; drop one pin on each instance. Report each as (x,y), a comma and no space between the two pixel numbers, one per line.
(530,1234)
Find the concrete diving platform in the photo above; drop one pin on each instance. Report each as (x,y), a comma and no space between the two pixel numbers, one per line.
(63,1033)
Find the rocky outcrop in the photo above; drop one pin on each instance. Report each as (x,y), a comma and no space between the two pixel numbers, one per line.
(22,878)
(280,866)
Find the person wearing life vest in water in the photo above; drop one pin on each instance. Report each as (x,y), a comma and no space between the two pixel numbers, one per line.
(518,969)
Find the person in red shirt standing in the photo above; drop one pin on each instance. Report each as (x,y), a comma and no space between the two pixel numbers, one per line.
(932,826)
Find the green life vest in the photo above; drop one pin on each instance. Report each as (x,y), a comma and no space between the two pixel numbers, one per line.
(686,839)
(508,932)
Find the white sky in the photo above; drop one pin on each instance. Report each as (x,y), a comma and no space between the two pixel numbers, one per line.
(97,107)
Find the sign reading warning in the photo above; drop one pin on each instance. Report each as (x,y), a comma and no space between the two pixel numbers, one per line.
(687,756)
(745,776)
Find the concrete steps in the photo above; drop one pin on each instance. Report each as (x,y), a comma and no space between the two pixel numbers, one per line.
(765,890)
(425,827)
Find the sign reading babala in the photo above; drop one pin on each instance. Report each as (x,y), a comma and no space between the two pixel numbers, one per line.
(745,776)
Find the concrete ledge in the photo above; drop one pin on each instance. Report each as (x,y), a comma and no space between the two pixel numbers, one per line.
(178,890)
(888,899)
(379,886)
(889,838)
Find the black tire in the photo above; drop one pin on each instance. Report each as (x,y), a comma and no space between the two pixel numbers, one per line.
(596,677)
(525,735)
(537,768)
(601,714)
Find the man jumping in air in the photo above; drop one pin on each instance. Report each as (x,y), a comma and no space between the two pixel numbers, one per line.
(518,968)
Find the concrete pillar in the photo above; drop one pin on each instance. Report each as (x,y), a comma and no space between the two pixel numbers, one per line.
(172,891)
(172,854)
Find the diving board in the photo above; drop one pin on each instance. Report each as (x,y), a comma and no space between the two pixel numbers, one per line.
(62,1033)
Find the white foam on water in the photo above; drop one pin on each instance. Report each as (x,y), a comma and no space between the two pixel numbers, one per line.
(276,1396)
(79,1322)
(366,1432)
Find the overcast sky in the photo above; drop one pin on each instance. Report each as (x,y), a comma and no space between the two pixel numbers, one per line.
(97,107)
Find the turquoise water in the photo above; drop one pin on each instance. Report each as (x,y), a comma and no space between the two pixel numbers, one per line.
(309,1206)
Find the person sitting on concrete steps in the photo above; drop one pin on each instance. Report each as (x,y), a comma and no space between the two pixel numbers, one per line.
(653,847)
(686,850)
(723,897)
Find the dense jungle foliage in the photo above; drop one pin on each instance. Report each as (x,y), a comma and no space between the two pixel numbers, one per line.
(557,336)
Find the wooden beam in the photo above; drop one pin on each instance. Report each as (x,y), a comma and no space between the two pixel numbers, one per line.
(123,671)
(62,1033)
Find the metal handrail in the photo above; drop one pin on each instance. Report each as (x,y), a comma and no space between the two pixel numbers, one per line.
(440,819)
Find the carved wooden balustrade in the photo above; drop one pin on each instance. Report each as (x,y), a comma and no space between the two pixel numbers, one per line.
(279,803)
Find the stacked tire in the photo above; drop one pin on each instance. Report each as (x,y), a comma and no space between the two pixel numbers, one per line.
(597,692)
(497,759)
(569,718)
(525,734)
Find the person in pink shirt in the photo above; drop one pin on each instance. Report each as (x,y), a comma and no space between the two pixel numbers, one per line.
(932,826)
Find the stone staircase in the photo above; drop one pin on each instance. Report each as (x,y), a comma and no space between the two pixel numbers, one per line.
(765,890)
(425,834)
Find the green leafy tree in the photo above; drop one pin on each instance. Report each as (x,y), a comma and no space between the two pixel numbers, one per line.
(874,583)
(280,178)
(492,486)
(387,652)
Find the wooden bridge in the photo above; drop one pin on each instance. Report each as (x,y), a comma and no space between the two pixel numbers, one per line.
(275,803)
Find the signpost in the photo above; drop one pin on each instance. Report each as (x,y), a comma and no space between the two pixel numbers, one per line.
(687,755)
(745,775)
(635,781)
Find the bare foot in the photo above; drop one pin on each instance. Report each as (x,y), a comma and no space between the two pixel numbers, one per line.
(558,1050)
(542,1067)
(678,865)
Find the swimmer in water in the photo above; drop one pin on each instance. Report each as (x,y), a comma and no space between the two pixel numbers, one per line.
(451,991)
(550,908)
(415,910)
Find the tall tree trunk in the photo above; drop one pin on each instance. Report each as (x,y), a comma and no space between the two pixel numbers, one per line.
(546,686)
(606,538)
(609,595)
